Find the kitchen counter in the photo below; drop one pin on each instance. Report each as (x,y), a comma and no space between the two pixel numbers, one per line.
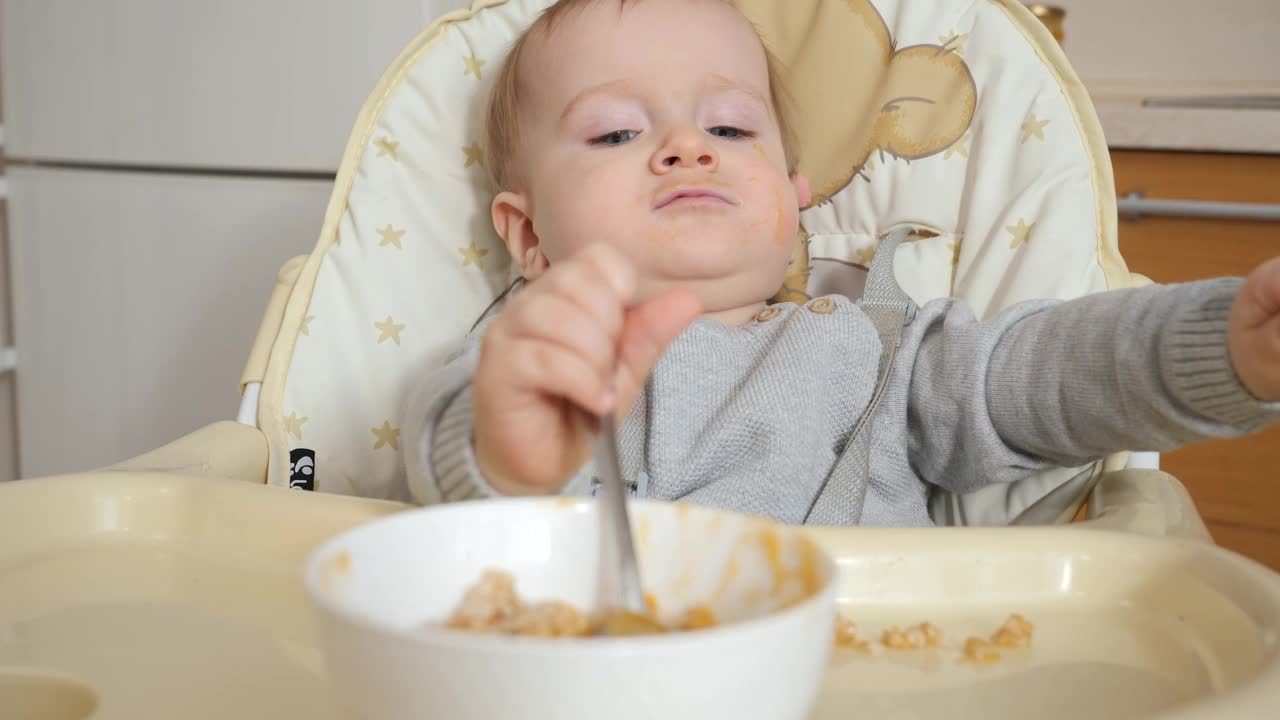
(1244,119)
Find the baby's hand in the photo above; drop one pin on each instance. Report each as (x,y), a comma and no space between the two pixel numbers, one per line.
(1253,332)
(571,341)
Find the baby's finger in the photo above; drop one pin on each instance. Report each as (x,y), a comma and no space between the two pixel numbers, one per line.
(579,284)
(554,318)
(649,329)
(606,263)
(549,369)
(1261,294)
(600,279)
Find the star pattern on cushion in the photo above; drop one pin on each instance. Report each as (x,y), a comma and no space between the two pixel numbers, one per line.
(388,148)
(473,64)
(386,436)
(1033,127)
(475,156)
(391,236)
(960,147)
(293,424)
(1020,232)
(472,255)
(389,330)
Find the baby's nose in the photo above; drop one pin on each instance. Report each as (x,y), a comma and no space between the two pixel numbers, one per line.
(688,159)
(686,149)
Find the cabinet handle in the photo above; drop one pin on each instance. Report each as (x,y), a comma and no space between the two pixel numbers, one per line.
(1135,205)
(8,360)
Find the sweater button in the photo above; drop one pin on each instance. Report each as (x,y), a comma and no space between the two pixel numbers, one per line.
(822,306)
(768,314)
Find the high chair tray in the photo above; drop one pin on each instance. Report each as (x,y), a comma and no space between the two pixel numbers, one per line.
(162,596)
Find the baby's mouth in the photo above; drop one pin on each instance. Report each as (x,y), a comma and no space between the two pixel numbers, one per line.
(692,196)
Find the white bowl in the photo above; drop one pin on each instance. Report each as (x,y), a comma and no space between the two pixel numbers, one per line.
(381,589)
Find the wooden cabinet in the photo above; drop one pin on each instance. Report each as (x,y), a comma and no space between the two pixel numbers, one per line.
(1235,483)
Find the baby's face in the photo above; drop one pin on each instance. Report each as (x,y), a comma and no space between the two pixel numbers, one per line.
(651,129)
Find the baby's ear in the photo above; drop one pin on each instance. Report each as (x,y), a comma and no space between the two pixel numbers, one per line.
(803,194)
(511,220)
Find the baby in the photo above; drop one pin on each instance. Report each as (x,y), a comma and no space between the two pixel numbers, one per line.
(647,193)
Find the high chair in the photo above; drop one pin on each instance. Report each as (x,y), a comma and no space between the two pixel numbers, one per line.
(960,120)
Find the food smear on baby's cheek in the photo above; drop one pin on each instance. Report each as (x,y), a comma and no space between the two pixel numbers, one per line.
(780,227)
(780,234)
(761,219)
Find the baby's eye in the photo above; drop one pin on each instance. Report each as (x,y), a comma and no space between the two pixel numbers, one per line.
(617,137)
(730,132)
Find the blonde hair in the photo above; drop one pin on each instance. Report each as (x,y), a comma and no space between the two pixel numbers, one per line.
(502,119)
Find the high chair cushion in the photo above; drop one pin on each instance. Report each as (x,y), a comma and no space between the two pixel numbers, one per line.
(961,119)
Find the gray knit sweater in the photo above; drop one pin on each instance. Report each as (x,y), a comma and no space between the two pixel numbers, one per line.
(752,418)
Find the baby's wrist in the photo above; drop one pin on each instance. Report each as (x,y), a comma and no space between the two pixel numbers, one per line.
(496,480)
(500,480)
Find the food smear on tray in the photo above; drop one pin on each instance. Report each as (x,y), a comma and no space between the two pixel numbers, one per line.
(1014,635)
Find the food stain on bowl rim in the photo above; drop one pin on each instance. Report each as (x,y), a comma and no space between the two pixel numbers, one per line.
(336,565)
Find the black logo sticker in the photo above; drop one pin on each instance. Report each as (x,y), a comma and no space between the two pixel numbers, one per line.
(302,469)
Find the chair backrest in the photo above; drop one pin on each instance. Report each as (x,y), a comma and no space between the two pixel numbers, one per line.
(962,119)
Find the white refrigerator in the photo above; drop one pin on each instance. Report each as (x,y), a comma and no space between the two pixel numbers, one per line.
(161,160)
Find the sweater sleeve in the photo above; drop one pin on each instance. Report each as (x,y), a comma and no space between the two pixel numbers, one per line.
(1052,383)
(440,464)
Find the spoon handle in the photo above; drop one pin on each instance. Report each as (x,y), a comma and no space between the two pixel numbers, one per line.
(615,525)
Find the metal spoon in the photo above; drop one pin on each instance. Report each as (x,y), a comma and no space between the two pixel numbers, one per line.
(621,592)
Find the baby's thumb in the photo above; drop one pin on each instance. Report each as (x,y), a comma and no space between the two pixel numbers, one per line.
(646,332)
(1253,332)
(1259,299)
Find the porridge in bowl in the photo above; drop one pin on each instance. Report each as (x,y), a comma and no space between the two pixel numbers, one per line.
(494,606)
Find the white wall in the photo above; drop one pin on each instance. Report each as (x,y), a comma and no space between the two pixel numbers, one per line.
(8,403)
(1175,42)
(236,84)
(137,297)
(136,294)
(8,406)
